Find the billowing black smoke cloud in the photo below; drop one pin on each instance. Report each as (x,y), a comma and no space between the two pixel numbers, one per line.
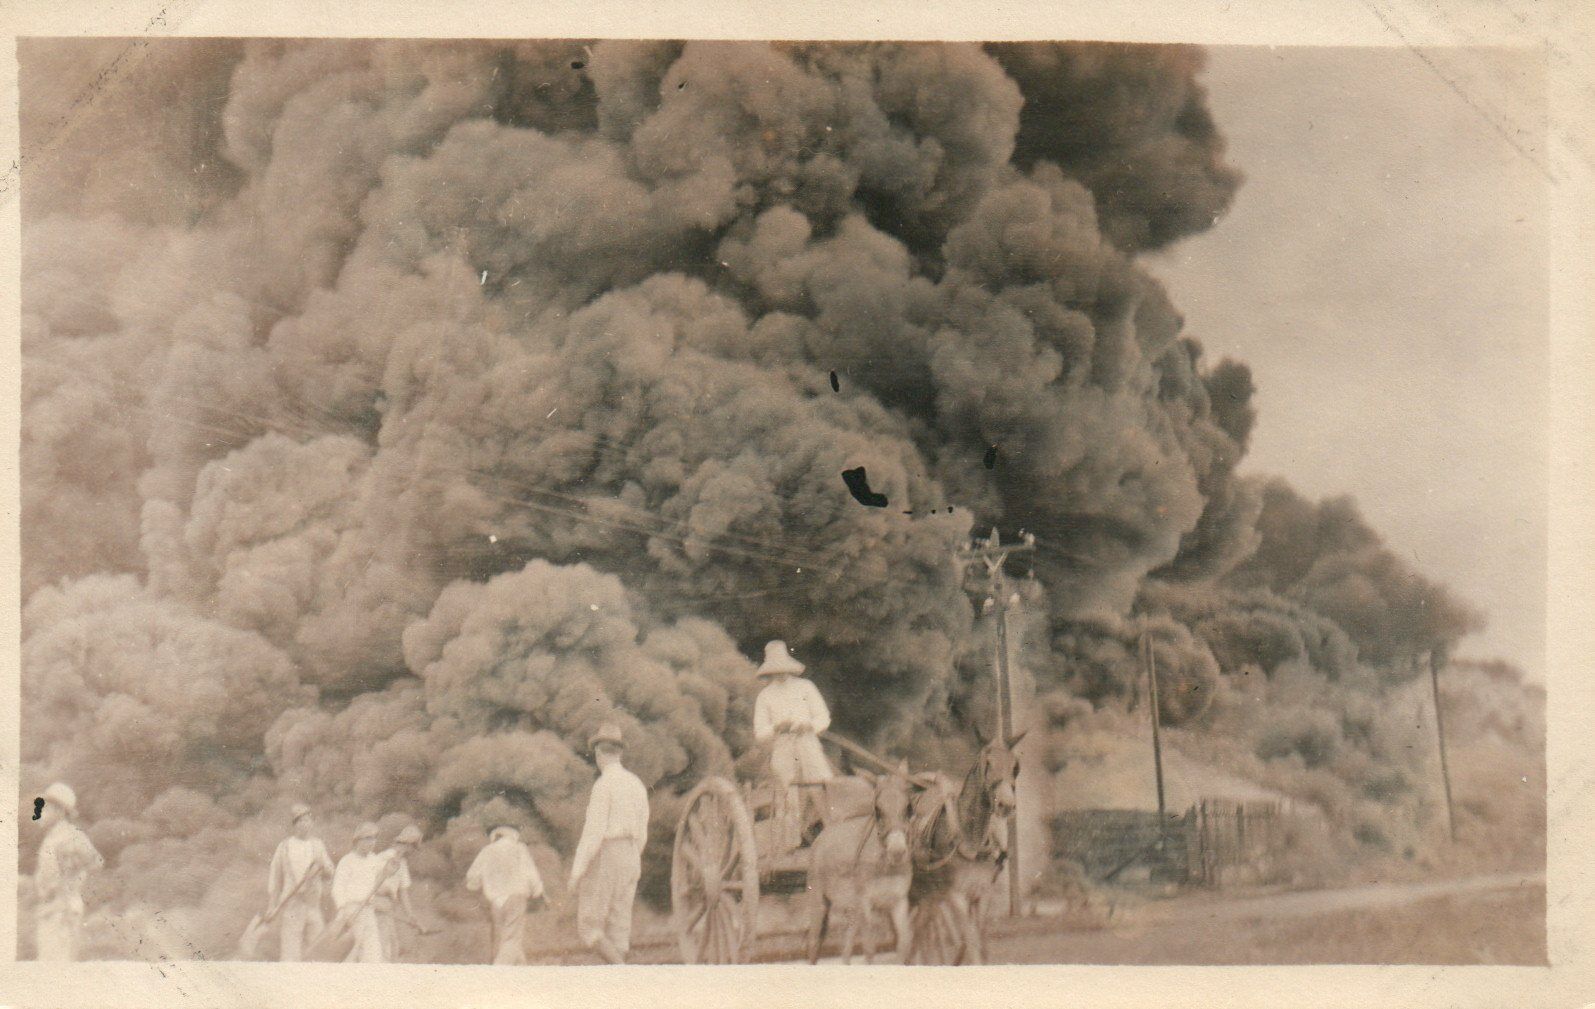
(474,393)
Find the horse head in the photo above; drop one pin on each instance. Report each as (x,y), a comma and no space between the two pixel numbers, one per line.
(892,799)
(998,767)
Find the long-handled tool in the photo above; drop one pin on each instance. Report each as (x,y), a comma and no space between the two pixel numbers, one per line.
(345,919)
(249,943)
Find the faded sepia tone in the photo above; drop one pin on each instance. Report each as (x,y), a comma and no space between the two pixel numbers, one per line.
(404,423)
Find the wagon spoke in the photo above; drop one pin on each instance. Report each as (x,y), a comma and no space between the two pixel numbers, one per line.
(733,928)
(729,934)
(715,932)
(699,870)
(715,840)
(714,887)
(699,916)
(695,830)
(731,864)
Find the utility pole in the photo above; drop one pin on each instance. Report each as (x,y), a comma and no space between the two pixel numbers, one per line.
(1149,660)
(1436,660)
(993,553)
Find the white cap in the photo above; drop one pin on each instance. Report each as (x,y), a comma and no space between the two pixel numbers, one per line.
(61,794)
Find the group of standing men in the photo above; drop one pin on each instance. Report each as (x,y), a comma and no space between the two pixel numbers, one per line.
(371,890)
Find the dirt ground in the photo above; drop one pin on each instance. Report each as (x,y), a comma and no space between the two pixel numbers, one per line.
(1499,923)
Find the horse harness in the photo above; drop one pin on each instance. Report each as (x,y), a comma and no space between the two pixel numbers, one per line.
(924,822)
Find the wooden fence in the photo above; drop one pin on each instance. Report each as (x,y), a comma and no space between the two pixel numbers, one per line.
(1216,841)
(1230,841)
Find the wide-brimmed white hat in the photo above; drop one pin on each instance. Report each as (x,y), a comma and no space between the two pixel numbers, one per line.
(367,829)
(778,660)
(608,732)
(61,794)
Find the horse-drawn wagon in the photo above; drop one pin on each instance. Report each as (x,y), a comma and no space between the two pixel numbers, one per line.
(888,835)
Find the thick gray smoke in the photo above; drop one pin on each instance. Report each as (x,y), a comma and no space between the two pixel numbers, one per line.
(456,397)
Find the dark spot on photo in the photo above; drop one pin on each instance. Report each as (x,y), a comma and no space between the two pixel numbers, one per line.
(858,483)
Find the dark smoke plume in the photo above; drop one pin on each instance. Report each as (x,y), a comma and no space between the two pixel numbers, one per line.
(452,398)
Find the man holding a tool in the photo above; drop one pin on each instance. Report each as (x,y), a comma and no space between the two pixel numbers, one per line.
(296,885)
(355,885)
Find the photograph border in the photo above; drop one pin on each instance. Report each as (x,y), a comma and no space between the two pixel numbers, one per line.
(1560,30)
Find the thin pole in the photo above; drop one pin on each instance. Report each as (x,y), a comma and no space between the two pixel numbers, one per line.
(1005,709)
(1157,740)
(1435,661)
(992,553)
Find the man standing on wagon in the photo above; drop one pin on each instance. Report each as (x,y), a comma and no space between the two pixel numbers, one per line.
(608,860)
(789,714)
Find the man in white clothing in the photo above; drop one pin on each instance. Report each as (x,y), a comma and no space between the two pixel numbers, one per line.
(505,875)
(66,858)
(608,860)
(789,714)
(296,884)
(392,900)
(355,888)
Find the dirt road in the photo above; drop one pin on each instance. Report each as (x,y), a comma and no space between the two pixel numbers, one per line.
(1481,919)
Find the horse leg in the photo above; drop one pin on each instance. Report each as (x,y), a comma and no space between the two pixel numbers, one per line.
(977,931)
(851,939)
(902,930)
(866,914)
(913,937)
(958,920)
(818,919)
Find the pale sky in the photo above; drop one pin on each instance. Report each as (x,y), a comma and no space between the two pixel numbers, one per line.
(1383,272)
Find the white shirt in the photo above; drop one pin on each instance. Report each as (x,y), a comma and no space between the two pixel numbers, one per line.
(504,870)
(301,852)
(618,808)
(66,857)
(400,877)
(292,860)
(358,876)
(797,700)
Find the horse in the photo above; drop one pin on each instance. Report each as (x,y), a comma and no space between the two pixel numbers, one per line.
(960,848)
(861,863)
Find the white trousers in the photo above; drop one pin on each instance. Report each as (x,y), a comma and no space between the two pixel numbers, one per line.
(301,922)
(57,925)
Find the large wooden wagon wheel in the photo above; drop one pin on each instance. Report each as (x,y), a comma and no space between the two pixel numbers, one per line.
(714,876)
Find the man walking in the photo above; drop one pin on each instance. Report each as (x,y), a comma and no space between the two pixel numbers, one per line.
(505,875)
(66,858)
(608,859)
(296,884)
